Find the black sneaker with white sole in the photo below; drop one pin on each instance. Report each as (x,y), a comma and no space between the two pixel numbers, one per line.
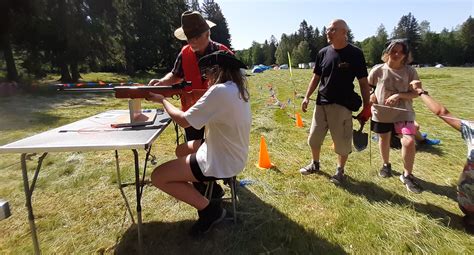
(386,171)
(312,168)
(339,176)
(411,183)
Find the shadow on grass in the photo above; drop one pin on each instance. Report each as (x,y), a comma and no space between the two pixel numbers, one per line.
(441,190)
(260,229)
(40,110)
(435,150)
(374,193)
(448,191)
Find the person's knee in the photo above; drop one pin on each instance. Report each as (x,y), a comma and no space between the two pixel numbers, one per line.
(180,151)
(408,141)
(156,177)
(314,143)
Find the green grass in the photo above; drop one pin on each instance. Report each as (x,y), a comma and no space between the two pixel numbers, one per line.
(79,209)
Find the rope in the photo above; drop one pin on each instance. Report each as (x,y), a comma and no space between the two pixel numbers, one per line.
(405,110)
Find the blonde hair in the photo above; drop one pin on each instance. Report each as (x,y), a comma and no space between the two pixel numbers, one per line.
(222,74)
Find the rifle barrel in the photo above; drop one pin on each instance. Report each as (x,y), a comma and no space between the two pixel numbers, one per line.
(88,89)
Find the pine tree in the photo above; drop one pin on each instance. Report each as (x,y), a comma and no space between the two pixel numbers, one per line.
(409,29)
(220,33)
(467,40)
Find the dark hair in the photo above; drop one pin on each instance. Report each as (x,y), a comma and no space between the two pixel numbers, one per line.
(223,74)
(389,45)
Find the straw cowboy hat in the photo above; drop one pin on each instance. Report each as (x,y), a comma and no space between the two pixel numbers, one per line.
(192,25)
(221,58)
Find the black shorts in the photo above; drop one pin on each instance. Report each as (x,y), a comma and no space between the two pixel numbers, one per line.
(197,172)
(193,134)
(380,127)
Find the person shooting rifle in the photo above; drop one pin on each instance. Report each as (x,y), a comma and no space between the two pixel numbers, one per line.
(196,31)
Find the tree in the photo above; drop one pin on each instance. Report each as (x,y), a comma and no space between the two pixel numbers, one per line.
(450,48)
(467,40)
(350,36)
(301,54)
(220,33)
(429,49)
(244,56)
(281,54)
(193,5)
(269,50)
(8,8)
(408,28)
(424,27)
(258,56)
(374,46)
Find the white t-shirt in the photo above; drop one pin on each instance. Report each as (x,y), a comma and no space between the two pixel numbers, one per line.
(227,118)
(390,81)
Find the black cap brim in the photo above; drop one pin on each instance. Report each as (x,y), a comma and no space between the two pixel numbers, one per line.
(221,58)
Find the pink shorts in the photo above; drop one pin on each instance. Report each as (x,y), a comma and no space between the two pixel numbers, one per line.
(405,127)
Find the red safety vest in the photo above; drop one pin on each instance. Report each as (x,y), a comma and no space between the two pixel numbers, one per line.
(193,74)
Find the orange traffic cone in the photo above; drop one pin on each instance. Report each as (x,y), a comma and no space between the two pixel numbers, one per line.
(299,121)
(263,158)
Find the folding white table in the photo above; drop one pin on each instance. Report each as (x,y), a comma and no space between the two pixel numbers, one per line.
(90,134)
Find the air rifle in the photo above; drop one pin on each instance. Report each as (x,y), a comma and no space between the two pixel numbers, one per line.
(137,90)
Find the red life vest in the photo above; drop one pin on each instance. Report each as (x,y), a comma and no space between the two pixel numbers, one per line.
(193,74)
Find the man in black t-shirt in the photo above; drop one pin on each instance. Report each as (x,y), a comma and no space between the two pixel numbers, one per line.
(336,67)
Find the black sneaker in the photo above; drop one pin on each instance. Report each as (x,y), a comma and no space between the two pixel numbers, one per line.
(411,183)
(312,168)
(217,191)
(339,177)
(386,170)
(208,217)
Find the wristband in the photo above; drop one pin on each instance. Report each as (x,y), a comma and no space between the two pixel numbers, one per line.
(424,92)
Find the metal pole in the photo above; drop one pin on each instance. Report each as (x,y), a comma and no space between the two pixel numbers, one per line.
(119,179)
(28,194)
(139,198)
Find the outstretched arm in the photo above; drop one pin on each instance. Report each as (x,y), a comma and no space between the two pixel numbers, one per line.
(176,114)
(435,107)
(168,79)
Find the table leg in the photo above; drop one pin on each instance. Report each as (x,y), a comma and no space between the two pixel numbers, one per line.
(120,185)
(28,194)
(139,198)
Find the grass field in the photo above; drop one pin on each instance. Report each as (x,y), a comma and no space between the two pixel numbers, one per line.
(79,209)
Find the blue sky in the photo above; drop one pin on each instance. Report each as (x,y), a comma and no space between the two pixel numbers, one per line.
(257,20)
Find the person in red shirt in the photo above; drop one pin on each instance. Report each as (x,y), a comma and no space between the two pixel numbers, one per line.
(196,31)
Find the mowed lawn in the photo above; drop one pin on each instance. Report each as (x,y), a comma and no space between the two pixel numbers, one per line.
(79,209)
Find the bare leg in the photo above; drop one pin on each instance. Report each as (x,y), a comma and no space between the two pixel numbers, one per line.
(341,160)
(408,153)
(384,146)
(315,152)
(173,177)
(187,148)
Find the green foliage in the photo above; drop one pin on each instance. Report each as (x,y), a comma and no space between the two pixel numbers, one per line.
(257,53)
(70,37)
(467,40)
(373,46)
(301,53)
(220,33)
